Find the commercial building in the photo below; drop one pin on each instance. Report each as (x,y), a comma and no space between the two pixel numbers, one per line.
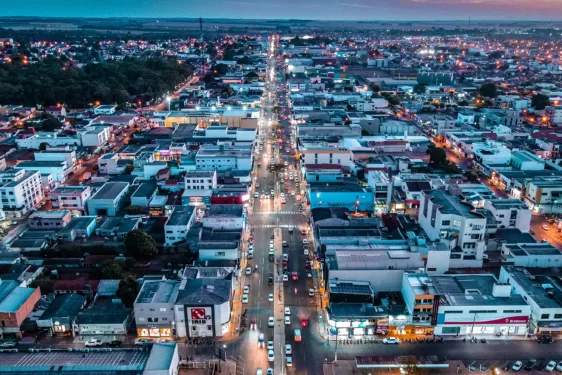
(542,292)
(109,199)
(49,220)
(144,194)
(95,136)
(154,308)
(62,314)
(34,141)
(203,307)
(421,299)
(544,196)
(59,170)
(525,161)
(200,180)
(350,196)
(225,217)
(79,227)
(203,117)
(224,158)
(16,303)
(20,191)
(69,156)
(105,109)
(537,255)
(322,152)
(105,318)
(510,213)
(179,223)
(445,217)
(70,197)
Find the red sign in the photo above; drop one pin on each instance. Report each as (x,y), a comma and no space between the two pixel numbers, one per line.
(509,320)
(197,314)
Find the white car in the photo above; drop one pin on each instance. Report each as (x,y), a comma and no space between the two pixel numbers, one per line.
(248,270)
(270,297)
(282,195)
(550,366)
(305,252)
(305,241)
(93,342)
(559,366)
(288,349)
(285,277)
(143,341)
(270,356)
(244,298)
(517,366)
(289,361)
(311,292)
(270,322)
(292,193)
(256,195)
(391,340)
(287,320)
(247,289)
(287,311)
(257,184)
(270,345)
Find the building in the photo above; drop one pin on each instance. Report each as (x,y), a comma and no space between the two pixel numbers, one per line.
(544,196)
(62,314)
(203,307)
(324,153)
(105,109)
(179,223)
(350,196)
(232,118)
(536,255)
(200,180)
(525,161)
(79,227)
(225,217)
(479,304)
(49,220)
(68,156)
(16,303)
(95,136)
(445,217)
(59,170)
(223,158)
(34,141)
(542,293)
(70,197)
(554,114)
(154,308)
(510,213)
(421,299)
(20,191)
(144,194)
(109,199)
(105,318)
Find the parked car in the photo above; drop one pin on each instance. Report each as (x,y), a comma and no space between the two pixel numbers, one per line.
(8,344)
(517,366)
(391,340)
(93,342)
(270,322)
(544,339)
(270,356)
(288,349)
(114,343)
(530,364)
(550,366)
(245,298)
(143,341)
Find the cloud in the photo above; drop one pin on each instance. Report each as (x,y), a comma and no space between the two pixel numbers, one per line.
(357,5)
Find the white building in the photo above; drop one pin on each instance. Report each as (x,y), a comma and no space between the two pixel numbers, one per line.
(69,156)
(200,180)
(543,294)
(203,308)
(554,114)
(106,109)
(50,138)
(536,255)
(490,152)
(510,213)
(465,118)
(325,153)
(95,136)
(458,224)
(479,304)
(70,197)
(109,199)
(57,169)
(224,158)
(225,217)
(544,196)
(154,308)
(179,223)
(525,161)
(20,191)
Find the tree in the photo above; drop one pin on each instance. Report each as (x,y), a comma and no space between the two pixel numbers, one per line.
(129,168)
(252,75)
(43,146)
(420,89)
(437,155)
(50,123)
(393,100)
(209,78)
(540,101)
(220,69)
(111,269)
(471,176)
(46,285)
(128,290)
(374,87)
(411,367)
(488,90)
(135,210)
(140,245)
(495,55)
(244,61)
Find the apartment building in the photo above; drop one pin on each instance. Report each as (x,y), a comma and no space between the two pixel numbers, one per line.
(95,136)
(510,213)
(59,170)
(20,191)
(200,180)
(70,197)
(224,158)
(179,223)
(544,196)
(46,220)
(324,153)
(445,217)
(154,308)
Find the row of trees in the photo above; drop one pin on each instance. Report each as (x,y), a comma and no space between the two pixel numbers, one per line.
(54,80)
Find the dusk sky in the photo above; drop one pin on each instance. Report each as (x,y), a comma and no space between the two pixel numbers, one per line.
(302,9)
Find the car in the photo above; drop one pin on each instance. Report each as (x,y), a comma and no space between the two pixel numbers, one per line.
(270,345)
(285,244)
(391,340)
(114,343)
(292,193)
(309,275)
(544,340)
(305,241)
(257,184)
(545,227)
(311,292)
(287,311)
(245,298)
(559,366)
(305,247)
(270,355)
(270,297)
(8,344)
(13,222)
(283,200)
(246,289)
(306,252)
(93,342)
(256,195)
(550,366)
(259,371)
(143,341)
(304,322)
(270,322)
(289,361)
(287,320)
(282,195)
(285,277)
(269,371)
(288,349)
(248,270)
(164,341)
(530,364)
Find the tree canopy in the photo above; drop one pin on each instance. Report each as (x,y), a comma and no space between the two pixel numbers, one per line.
(140,245)
(540,101)
(488,90)
(437,155)
(420,88)
(128,290)
(111,269)
(53,81)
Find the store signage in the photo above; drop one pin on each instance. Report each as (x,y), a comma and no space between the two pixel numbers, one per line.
(197,314)
(504,321)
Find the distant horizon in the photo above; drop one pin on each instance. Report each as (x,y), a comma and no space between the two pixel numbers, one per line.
(311,10)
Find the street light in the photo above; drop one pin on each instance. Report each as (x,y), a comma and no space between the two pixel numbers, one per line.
(169,100)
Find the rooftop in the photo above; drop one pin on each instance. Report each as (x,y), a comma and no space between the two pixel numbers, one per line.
(181,215)
(110,190)
(163,291)
(12,296)
(54,214)
(451,205)
(205,291)
(544,289)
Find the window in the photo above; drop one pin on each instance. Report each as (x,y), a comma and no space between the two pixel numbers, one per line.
(432,269)
(483,312)
(163,309)
(511,311)
(446,223)
(454,312)
(545,316)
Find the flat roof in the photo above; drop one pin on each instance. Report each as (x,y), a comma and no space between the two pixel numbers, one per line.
(338,188)
(450,204)
(350,287)
(12,296)
(145,189)
(161,357)
(162,291)
(53,214)
(205,291)
(181,215)
(40,163)
(110,190)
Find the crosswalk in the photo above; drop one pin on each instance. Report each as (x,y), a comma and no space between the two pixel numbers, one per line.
(277,213)
(263,226)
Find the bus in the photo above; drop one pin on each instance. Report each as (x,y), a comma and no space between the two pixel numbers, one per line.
(298,337)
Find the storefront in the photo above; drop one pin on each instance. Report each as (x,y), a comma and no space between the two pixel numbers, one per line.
(514,325)
(154,331)
(551,327)
(354,320)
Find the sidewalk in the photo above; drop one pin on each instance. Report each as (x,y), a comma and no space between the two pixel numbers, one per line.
(349,367)
(424,337)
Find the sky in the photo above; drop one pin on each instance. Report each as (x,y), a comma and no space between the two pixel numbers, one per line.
(541,10)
